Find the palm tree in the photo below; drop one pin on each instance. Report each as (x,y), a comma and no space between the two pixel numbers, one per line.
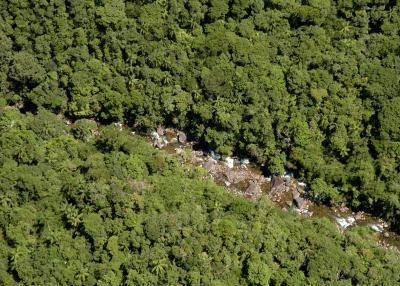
(82,275)
(160,266)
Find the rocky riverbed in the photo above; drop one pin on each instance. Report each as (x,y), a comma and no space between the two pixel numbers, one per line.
(243,178)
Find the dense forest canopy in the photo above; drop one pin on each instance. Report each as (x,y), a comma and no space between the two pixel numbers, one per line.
(311,86)
(82,205)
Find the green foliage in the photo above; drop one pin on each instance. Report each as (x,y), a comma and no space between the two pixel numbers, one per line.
(113,211)
(311,86)
(84,129)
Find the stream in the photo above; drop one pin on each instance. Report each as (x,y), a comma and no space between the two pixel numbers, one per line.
(246,179)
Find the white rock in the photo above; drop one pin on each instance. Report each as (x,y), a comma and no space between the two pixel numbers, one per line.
(377,227)
(245,161)
(230,162)
(302,184)
(268,179)
(133,132)
(345,222)
(227,183)
(154,135)
(288,175)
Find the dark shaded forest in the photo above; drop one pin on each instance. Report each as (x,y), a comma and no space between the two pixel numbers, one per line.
(310,86)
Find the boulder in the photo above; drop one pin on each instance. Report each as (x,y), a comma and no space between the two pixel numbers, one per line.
(377,227)
(277,185)
(209,165)
(182,137)
(253,189)
(299,202)
(231,175)
(230,162)
(295,194)
(345,222)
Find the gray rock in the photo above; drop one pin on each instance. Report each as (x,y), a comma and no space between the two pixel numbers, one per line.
(345,222)
(299,202)
(230,175)
(278,185)
(253,189)
(209,165)
(182,137)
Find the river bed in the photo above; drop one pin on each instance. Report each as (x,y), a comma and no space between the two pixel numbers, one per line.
(246,179)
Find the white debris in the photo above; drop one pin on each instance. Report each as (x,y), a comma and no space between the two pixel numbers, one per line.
(268,179)
(245,161)
(345,222)
(118,125)
(227,183)
(377,227)
(230,162)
